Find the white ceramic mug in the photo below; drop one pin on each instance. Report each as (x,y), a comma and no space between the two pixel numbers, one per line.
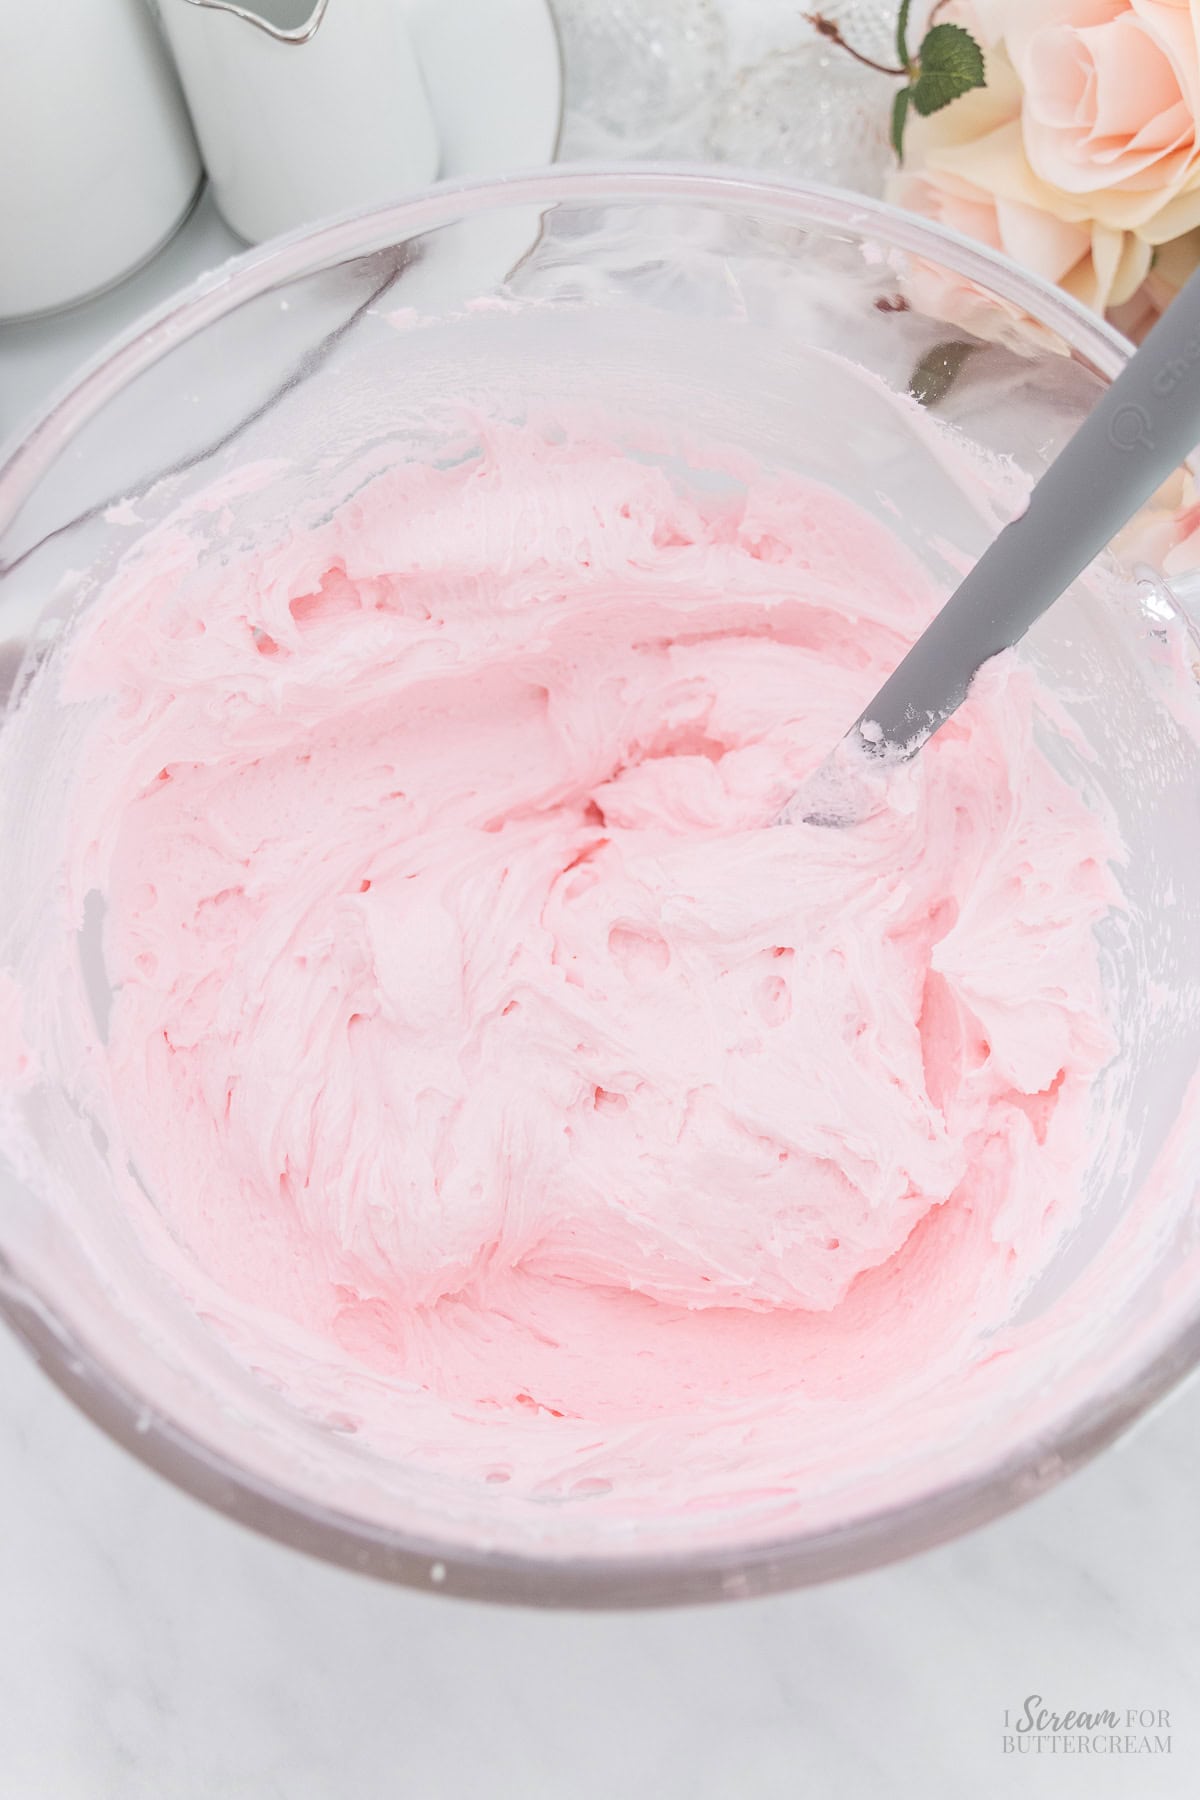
(98,164)
(302,107)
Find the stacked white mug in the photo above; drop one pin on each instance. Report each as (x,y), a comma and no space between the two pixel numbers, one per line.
(98,164)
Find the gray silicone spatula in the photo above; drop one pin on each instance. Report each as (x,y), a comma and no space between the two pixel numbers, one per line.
(1141,429)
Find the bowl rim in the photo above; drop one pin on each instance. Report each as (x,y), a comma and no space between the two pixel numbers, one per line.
(880,1535)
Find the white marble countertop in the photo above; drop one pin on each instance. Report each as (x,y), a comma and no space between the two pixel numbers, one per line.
(153,1651)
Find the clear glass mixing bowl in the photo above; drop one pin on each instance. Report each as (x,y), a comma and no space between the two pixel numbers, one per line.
(710,300)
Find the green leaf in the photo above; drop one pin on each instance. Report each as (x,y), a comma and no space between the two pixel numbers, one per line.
(899,115)
(951,64)
(902,34)
(938,370)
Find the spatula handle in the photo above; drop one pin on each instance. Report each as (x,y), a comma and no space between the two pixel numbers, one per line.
(1142,428)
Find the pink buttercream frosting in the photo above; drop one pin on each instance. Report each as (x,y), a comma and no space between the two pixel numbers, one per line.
(497,1066)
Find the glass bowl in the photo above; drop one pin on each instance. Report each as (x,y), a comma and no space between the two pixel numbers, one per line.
(742,310)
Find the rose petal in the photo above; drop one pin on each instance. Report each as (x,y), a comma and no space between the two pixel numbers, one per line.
(1179,214)
(958,205)
(1026,19)
(1132,268)
(1173,25)
(1050,247)
(1135,85)
(1060,83)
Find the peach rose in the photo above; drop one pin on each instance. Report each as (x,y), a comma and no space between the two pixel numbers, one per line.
(1111,96)
(966,167)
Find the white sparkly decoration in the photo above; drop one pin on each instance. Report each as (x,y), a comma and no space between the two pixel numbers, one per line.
(870,25)
(813,111)
(641,75)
